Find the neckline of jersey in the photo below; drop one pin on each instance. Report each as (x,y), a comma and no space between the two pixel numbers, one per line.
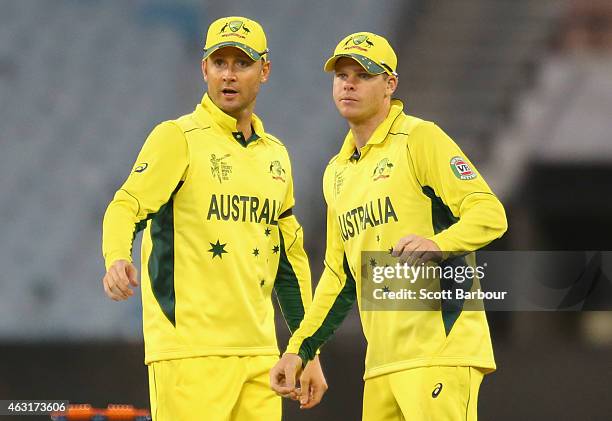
(347,151)
(207,110)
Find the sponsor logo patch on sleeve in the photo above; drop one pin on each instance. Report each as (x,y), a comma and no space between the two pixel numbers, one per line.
(462,169)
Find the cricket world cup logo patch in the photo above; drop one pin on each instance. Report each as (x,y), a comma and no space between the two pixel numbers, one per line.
(382,170)
(462,169)
(338,181)
(219,168)
(277,171)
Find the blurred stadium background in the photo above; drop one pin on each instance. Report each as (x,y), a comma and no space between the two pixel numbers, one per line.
(524,86)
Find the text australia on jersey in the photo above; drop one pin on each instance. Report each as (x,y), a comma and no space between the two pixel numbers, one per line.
(371,214)
(235,207)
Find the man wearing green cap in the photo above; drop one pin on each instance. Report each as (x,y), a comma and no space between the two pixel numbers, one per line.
(398,188)
(213,192)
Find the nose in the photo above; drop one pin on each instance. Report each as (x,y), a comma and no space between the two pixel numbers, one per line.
(229,74)
(349,84)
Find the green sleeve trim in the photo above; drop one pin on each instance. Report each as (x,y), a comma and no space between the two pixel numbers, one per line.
(335,316)
(139,226)
(441,215)
(287,288)
(442,218)
(286,213)
(451,309)
(161,261)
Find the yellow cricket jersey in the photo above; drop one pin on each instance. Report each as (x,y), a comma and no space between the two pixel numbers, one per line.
(219,237)
(410,178)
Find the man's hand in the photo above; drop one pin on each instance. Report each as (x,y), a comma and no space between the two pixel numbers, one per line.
(284,375)
(117,281)
(415,249)
(312,384)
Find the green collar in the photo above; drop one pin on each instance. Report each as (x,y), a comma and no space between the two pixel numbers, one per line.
(239,136)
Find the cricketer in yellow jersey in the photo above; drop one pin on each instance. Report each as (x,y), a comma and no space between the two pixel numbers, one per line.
(214,194)
(399,184)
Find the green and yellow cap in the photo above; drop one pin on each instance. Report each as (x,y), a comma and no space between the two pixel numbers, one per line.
(372,51)
(239,32)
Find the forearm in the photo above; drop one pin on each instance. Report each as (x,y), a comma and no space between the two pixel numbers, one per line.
(120,225)
(332,301)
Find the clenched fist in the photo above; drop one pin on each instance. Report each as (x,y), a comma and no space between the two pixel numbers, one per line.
(121,275)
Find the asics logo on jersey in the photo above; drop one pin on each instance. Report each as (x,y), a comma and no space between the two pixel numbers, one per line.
(141,167)
(437,390)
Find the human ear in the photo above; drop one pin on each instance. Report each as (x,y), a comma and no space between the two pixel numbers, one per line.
(204,70)
(265,71)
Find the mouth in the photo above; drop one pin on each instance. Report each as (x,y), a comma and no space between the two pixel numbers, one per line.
(229,92)
(348,100)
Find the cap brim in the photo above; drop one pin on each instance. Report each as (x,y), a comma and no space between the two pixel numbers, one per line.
(368,65)
(255,55)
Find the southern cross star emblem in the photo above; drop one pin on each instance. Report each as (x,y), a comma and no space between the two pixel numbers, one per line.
(267,232)
(255,252)
(275,249)
(217,249)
